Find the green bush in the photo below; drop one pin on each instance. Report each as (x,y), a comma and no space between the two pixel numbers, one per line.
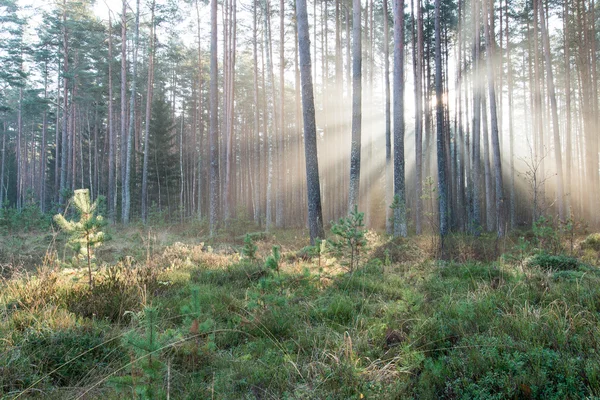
(349,238)
(591,242)
(68,356)
(549,262)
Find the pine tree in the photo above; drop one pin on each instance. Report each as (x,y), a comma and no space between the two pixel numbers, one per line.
(86,233)
(163,171)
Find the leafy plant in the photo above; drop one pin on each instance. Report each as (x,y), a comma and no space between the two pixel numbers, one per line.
(146,367)
(554,262)
(272,262)
(249,249)
(546,235)
(86,233)
(350,238)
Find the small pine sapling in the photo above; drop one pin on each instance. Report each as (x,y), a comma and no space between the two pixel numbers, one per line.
(86,233)
(272,262)
(350,238)
(197,329)
(146,348)
(249,249)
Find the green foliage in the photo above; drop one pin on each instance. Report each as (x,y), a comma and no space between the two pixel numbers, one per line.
(350,238)
(30,218)
(519,252)
(249,249)
(272,262)
(66,357)
(116,294)
(146,368)
(591,242)
(549,262)
(86,233)
(240,330)
(547,237)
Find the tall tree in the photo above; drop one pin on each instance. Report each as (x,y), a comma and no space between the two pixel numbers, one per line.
(400,226)
(149,93)
(112,143)
(441,151)
(213,123)
(354,189)
(388,119)
(123,116)
(554,110)
(499,188)
(126,201)
(315,217)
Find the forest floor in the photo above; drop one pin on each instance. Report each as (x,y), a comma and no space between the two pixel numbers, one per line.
(174,316)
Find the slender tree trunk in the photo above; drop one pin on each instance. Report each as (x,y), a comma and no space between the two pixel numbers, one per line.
(213,134)
(554,108)
(354,189)
(487,168)
(441,153)
(476,129)
(149,93)
(568,134)
(123,103)
(281,156)
(63,157)
(126,195)
(389,188)
(500,215)
(256,156)
(112,199)
(419,121)
(400,228)
(315,218)
(511,134)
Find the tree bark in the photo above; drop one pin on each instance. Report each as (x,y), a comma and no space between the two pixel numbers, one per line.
(149,93)
(400,226)
(354,189)
(554,109)
(500,215)
(315,218)
(126,200)
(441,153)
(213,133)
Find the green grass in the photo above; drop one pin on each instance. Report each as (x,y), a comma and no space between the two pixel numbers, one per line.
(230,328)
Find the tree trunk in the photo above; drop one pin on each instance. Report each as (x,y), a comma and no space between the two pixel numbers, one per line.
(63,156)
(568,134)
(441,154)
(354,189)
(500,221)
(418,65)
(112,199)
(400,228)
(476,128)
(554,109)
(315,218)
(213,133)
(149,93)
(511,134)
(126,200)
(270,122)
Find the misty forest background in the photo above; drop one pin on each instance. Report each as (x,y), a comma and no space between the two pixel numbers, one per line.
(483,118)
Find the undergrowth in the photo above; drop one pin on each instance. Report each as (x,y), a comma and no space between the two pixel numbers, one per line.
(194,322)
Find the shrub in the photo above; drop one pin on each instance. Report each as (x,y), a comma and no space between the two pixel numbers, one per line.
(69,356)
(85,233)
(549,262)
(591,242)
(350,238)
(249,249)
